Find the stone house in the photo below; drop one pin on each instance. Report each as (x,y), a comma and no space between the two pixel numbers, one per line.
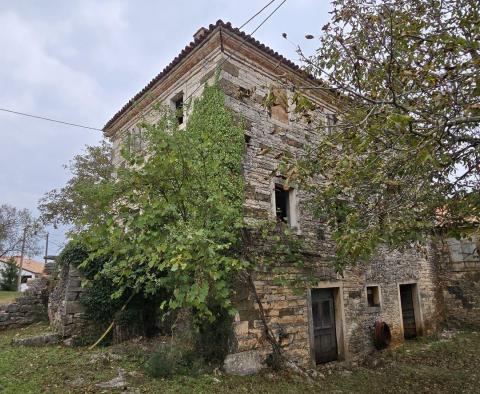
(335,319)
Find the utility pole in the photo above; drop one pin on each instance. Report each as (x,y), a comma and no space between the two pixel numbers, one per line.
(46,249)
(21,259)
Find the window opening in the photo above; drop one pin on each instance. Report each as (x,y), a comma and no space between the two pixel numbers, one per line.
(332,120)
(282,202)
(373,296)
(178,102)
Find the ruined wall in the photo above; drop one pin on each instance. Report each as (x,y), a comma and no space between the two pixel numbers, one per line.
(270,134)
(459,272)
(29,307)
(65,311)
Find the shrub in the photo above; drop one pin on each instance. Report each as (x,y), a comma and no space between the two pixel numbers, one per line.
(212,339)
(99,305)
(174,359)
(9,276)
(73,253)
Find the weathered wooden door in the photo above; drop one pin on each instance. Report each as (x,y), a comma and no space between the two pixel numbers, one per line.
(324,331)
(408,311)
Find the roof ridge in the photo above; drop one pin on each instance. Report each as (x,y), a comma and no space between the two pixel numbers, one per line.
(194,44)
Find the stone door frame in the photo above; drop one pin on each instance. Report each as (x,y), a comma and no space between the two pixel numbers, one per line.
(337,290)
(417,307)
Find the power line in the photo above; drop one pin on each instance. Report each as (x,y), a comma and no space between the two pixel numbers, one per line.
(258,13)
(244,40)
(191,94)
(49,119)
(268,17)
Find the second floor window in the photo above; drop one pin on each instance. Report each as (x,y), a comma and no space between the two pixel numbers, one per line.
(178,107)
(332,120)
(282,202)
(285,205)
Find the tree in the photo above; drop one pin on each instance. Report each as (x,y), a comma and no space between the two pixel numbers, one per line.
(406,147)
(13,223)
(176,211)
(82,200)
(9,275)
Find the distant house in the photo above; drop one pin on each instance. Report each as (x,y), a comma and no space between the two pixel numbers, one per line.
(30,269)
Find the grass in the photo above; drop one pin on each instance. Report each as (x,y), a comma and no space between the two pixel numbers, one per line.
(424,366)
(7,297)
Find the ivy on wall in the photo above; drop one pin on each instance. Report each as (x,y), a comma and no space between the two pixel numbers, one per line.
(176,215)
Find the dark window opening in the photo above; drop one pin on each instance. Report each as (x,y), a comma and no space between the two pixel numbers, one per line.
(373,296)
(281,203)
(134,141)
(178,102)
(25,278)
(332,120)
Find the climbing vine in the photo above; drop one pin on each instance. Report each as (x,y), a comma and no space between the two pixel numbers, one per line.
(176,231)
(176,215)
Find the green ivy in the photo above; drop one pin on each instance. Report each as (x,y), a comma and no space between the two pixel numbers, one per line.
(176,221)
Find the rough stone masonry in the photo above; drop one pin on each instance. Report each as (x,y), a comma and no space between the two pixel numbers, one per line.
(65,311)
(334,319)
(29,308)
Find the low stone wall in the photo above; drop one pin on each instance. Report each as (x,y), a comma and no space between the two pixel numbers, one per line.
(65,311)
(28,308)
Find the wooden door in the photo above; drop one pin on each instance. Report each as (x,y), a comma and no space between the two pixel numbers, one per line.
(408,311)
(324,330)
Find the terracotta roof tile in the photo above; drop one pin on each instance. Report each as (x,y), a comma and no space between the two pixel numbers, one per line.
(28,264)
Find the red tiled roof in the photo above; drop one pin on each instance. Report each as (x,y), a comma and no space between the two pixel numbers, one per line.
(28,264)
(194,44)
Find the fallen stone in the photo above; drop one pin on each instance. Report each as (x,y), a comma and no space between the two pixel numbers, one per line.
(104,358)
(12,308)
(243,363)
(116,383)
(298,370)
(76,382)
(38,340)
(447,335)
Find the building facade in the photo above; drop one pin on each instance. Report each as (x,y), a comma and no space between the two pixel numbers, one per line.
(31,269)
(334,319)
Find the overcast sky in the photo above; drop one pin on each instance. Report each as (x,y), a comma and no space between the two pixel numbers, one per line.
(80,61)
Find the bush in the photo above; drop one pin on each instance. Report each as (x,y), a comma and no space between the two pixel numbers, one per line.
(9,276)
(173,359)
(73,253)
(99,305)
(212,338)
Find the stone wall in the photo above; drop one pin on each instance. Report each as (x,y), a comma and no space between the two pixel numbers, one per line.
(460,281)
(288,316)
(270,133)
(29,307)
(246,78)
(65,311)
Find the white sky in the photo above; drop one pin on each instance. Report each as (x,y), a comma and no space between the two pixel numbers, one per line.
(80,61)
